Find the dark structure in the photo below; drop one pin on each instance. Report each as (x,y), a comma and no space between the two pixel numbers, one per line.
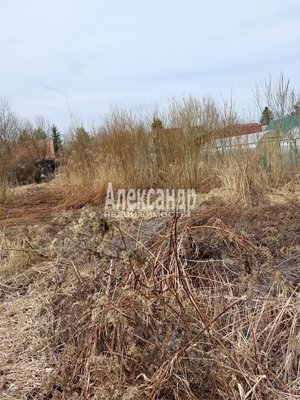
(34,161)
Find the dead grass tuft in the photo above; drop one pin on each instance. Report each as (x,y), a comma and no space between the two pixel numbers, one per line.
(201,307)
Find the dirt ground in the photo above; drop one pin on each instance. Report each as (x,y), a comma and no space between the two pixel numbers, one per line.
(40,203)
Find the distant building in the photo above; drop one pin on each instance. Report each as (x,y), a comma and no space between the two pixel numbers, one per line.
(34,150)
(281,141)
(34,160)
(284,125)
(234,137)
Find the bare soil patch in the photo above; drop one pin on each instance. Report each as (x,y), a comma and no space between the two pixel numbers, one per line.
(39,203)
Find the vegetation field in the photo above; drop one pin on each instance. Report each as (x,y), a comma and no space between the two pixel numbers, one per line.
(178,307)
(198,307)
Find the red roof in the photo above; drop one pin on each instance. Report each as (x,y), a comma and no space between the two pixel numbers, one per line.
(234,130)
(247,129)
(202,137)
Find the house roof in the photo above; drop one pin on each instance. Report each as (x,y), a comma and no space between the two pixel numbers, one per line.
(232,131)
(33,150)
(228,131)
(285,124)
(246,129)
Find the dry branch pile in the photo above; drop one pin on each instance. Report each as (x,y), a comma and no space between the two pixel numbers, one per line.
(201,307)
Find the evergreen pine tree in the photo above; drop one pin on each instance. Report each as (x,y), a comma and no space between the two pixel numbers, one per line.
(56,139)
(266,116)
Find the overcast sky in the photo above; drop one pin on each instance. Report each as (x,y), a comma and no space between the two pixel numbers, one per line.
(85,56)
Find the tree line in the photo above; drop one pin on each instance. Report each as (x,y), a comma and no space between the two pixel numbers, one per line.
(14,129)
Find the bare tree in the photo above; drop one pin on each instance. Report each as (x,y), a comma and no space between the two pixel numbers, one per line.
(184,113)
(42,129)
(8,135)
(8,123)
(210,115)
(278,95)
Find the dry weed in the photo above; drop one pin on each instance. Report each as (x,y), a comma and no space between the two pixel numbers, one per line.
(201,307)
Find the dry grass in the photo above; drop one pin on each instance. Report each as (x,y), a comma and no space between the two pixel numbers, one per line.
(129,153)
(40,203)
(201,307)
(243,180)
